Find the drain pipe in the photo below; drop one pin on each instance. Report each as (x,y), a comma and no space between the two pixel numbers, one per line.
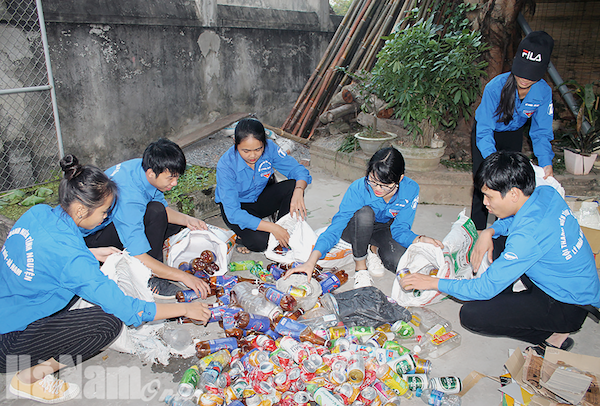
(555,76)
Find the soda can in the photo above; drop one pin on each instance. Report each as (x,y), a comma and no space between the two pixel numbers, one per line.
(296,291)
(336,332)
(346,392)
(337,377)
(264,370)
(264,388)
(293,374)
(210,399)
(367,395)
(284,359)
(342,344)
(298,385)
(446,384)
(258,357)
(416,381)
(189,381)
(422,366)
(265,343)
(356,369)
(301,398)
(403,365)
(378,339)
(393,345)
(281,382)
(361,331)
(239,386)
(212,388)
(253,400)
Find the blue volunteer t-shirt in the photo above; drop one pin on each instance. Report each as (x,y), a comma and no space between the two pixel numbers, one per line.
(401,209)
(45,263)
(238,183)
(135,192)
(537,105)
(545,243)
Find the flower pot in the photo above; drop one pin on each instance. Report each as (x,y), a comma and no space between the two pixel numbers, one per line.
(371,145)
(578,164)
(421,159)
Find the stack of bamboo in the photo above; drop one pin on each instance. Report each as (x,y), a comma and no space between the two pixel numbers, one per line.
(354,46)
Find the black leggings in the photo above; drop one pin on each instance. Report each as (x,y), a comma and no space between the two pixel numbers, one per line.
(156,227)
(505,141)
(275,198)
(530,315)
(68,336)
(363,230)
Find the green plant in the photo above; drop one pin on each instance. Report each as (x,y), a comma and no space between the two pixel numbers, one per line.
(585,140)
(430,78)
(349,144)
(195,178)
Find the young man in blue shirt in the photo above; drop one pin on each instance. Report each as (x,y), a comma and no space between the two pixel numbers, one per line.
(545,248)
(141,219)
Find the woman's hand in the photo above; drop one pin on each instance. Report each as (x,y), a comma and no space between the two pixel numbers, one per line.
(419,281)
(102,253)
(429,240)
(197,311)
(280,234)
(297,206)
(308,267)
(548,171)
(483,246)
(195,224)
(198,285)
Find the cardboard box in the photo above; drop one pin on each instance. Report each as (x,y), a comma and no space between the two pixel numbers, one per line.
(593,237)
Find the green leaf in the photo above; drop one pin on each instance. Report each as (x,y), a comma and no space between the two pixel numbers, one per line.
(12,197)
(32,200)
(457,97)
(43,192)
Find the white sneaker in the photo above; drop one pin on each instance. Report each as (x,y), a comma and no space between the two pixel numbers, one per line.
(374,264)
(47,390)
(362,279)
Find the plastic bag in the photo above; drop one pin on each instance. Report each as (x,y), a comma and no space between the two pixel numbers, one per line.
(368,306)
(416,258)
(550,180)
(458,246)
(187,245)
(302,241)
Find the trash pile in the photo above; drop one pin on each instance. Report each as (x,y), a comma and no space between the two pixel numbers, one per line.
(290,342)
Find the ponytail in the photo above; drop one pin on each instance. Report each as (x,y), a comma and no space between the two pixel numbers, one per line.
(506,107)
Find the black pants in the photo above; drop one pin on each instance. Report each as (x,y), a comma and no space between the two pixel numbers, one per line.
(67,336)
(275,198)
(505,141)
(156,227)
(363,230)
(530,315)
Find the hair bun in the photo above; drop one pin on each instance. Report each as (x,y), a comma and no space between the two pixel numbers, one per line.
(70,166)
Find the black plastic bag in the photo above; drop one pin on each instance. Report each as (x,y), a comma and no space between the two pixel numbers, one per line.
(369,306)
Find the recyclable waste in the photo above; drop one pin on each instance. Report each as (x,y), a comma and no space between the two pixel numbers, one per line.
(277,352)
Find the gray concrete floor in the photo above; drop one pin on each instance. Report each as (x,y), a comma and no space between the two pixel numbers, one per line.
(103,378)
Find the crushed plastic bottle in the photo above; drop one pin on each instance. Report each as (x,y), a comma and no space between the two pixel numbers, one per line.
(425,319)
(178,401)
(178,338)
(249,298)
(436,398)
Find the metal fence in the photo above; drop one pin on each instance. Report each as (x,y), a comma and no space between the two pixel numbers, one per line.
(30,141)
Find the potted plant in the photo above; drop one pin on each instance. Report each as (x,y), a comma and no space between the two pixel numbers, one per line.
(430,76)
(370,138)
(585,138)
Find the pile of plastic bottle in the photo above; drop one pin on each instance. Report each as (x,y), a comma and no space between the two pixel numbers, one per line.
(276,354)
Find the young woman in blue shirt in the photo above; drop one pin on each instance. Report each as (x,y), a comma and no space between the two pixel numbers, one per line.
(246,193)
(376,210)
(509,100)
(45,267)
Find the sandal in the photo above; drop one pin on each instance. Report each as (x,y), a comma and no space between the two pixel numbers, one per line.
(540,349)
(241,248)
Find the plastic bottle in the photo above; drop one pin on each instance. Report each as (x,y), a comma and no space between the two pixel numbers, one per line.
(284,300)
(425,319)
(227,281)
(386,375)
(247,321)
(438,345)
(437,398)
(334,281)
(189,294)
(189,382)
(178,401)
(298,331)
(246,295)
(243,265)
(215,367)
(204,348)
(177,338)
(276,271)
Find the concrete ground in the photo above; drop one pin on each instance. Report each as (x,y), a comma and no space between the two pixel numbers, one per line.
(104,378)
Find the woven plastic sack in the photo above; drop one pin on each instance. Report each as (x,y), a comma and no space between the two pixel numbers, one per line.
(187,245)
(417,258)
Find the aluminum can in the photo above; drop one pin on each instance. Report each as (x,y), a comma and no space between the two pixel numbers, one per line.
(422,366)
(367,395)
(189,382)
(416,381)
(446,384)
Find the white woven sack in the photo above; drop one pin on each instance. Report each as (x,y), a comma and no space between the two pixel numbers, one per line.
(187,245)
(302,240)
(417,256)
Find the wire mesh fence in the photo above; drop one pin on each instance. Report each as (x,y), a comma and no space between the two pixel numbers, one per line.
(29,146)
(574,25)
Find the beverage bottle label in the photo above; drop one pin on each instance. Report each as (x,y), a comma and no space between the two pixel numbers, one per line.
(216,313)
(276,272)
(330,284)
(258,323)
(437,340)
(222,343)
(189,295)
(289,327)
(273,295)
(226,281)
(360,331)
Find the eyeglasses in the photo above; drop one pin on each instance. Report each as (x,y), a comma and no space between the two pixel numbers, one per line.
(385,188)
